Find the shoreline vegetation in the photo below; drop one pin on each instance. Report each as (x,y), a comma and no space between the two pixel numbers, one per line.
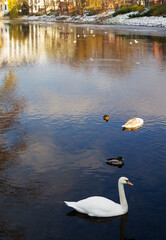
(131,16)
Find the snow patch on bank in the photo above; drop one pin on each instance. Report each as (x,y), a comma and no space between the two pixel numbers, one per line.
(105,18)
(139,21)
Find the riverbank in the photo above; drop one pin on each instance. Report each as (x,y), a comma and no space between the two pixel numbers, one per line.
(105,18)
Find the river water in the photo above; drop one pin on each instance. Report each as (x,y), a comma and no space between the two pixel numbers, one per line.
(56,83)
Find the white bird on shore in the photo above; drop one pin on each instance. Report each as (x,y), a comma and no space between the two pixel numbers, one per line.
(135,41)
(97,206)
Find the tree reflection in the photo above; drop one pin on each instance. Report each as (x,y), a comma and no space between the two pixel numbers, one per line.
(11,105)
(19,31)
(72,45)
(1,42)
(68,44)
(14,192)
(15,233)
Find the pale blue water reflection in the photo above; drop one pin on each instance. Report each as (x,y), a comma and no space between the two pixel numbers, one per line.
(54,141)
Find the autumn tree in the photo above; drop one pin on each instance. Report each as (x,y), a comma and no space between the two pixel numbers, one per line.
(104,4)
(14,6)
(1,1)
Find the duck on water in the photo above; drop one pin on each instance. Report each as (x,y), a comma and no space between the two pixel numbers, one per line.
(117,162)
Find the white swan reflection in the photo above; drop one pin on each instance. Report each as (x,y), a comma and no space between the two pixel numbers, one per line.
(97,220)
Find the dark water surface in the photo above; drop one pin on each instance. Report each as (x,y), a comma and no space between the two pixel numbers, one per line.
(55,87)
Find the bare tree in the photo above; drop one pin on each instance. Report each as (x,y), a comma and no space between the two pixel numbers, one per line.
(46,5)
(60,5)
(80,5)
(83,4)
(54,3)
(66,2)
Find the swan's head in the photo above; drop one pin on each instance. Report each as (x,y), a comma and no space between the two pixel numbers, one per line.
(125,180)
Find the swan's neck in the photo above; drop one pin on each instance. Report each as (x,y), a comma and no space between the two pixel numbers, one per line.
(122,196)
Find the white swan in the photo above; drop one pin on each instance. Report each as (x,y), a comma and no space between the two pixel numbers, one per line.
(103,207)
(133,123)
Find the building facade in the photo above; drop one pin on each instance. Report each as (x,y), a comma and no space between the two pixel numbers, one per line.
(35,5)
(3,8)
(39,5)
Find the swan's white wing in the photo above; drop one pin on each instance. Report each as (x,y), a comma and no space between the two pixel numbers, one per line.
(97,207)
(133,123)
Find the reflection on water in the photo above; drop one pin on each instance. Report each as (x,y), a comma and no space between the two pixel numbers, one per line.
(23,43)
(131,129)
(56,83)
(13,141)
(11,105)
(97,220)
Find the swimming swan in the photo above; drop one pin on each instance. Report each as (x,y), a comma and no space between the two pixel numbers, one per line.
(103,207)
(133,123)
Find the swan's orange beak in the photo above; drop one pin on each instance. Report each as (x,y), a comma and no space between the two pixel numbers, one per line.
(128,182)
